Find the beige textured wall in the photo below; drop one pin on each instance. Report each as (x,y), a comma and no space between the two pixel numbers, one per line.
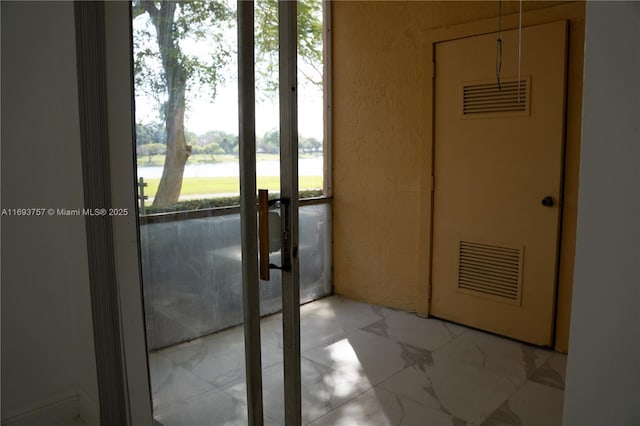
(381,146)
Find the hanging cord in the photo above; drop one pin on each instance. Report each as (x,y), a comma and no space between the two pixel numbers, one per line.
(519,50)
(499,45)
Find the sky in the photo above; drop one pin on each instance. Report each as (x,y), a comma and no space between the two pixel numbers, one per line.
(222,114)
(204,114)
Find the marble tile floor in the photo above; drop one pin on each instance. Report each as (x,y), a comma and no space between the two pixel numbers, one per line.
(364,365)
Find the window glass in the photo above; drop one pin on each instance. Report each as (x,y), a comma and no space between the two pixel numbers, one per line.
(186,98)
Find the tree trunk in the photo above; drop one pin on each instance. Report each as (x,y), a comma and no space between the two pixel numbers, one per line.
(176,78)
(175,159)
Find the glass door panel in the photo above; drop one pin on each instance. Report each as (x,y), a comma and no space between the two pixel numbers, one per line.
(187,100)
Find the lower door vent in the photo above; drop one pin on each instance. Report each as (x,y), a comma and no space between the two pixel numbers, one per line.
(490,270)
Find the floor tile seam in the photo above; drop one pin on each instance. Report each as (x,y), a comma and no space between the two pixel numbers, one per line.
(504,401)
(543,384)
(455,338)
(351,375)
(387,337)
(205,340)
(306,307)
(185,400)
(356,395)
(415,401)
(547,351)
(398,341)
(239,380)
(485,369)
(195,377)
(379,380)
(265,366)
(407,365)
(355,326)
(172,352)
(445,325)
(173,348)
(219,391)
(225,384)
(166,350)
(222,388)
(494,371)
(360,392)
(265,417)
(228,386)
(483,418)
(363,328)
(330,368)
(198,377)
(326,342)
(438,410)
(387,310)
(381,384)
(545,360)
(235,398)
(182,364)
(220,385)
(414,315)
(273,347)
(360,329)
(367,324)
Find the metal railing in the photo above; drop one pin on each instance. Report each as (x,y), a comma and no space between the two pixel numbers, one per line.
(191,266)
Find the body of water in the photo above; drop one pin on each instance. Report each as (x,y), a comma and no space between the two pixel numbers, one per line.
(306,167)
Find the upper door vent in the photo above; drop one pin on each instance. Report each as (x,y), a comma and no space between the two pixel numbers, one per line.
(486,99)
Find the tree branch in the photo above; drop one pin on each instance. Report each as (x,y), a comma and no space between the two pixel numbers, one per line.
(136,9)
(149,7)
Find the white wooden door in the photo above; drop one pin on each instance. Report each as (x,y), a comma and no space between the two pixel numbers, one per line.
(498,181)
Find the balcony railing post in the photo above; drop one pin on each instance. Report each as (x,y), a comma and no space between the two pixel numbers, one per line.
(142,197)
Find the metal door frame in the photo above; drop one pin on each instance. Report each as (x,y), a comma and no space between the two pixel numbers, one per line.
(248,211)
(287,29)
(288,70)
(111,122)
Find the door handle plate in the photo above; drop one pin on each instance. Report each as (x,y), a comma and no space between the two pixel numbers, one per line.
(263,233)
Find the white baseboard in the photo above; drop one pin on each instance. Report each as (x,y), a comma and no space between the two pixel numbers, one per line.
(88,409)
(56,410)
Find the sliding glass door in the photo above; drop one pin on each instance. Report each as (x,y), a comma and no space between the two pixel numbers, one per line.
(216,107)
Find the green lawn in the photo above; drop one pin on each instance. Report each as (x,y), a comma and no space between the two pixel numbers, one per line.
(226,185)
(158,160)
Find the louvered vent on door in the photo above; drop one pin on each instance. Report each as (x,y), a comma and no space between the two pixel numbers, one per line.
(490,270)
(487,99)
